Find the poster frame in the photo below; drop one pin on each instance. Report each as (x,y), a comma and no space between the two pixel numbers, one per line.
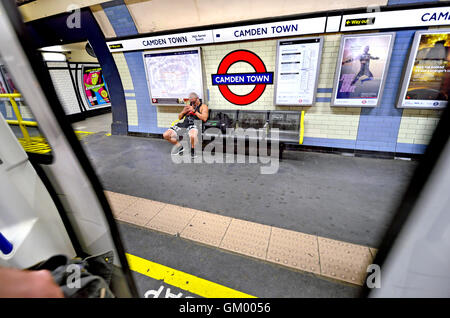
(339,64)
(87,66)
(319,63)
(407,70)
(202,72)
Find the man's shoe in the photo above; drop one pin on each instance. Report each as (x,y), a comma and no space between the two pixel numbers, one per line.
(177,151)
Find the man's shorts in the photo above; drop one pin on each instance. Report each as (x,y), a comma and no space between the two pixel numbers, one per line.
(178,128)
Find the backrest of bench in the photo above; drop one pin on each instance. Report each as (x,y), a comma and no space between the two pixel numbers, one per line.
(252,118)
(285,120)
(232,114)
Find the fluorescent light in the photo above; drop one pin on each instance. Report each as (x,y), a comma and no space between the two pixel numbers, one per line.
(54,57)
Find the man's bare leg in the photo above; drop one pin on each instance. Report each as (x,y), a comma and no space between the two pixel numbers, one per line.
(193,134)
(171,137)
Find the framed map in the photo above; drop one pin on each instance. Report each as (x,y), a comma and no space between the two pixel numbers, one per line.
(173,74)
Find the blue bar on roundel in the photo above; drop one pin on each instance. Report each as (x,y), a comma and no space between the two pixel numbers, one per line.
(242,78)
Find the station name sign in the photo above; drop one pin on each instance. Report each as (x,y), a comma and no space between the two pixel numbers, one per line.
(163,41)
(437,16)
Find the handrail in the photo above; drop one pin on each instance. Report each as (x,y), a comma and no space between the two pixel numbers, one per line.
(302,127)
(11,95)
(16,110)
(24,122)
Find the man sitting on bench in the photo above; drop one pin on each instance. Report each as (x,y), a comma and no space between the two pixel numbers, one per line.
(195,111)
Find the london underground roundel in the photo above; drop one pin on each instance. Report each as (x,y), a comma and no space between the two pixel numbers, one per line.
(260,78)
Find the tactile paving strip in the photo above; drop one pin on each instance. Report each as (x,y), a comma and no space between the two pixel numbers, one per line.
(119,202)
(207,228)
(172,219)
(141,211)
(344,261)
(335,259)
(247,238)
(294,249)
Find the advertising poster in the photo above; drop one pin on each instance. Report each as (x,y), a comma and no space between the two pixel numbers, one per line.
(298,63)
(6,82)
(427,76)
(3,87)
(363,62)
(95,86)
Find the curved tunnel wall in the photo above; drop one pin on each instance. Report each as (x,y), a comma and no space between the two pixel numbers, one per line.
(54,31)
(385,128)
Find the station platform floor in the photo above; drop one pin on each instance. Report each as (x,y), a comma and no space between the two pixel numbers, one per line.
(347,201)
(95,124)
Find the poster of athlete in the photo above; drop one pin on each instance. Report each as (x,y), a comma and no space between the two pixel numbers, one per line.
(361,69)
(95,87)
(427,77)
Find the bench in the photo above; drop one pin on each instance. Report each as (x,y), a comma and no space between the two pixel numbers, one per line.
(290,125)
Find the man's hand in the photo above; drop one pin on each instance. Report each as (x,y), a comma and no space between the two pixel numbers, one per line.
(191,109)
(186,109)
(15,283)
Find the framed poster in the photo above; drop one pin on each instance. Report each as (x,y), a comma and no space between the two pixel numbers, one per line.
(173,74)
(3,86)
(7,82)
(95,87)
(297,71)
(361,69)
(426,79)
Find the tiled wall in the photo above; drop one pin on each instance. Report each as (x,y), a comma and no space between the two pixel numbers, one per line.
(63,85)
(385,128)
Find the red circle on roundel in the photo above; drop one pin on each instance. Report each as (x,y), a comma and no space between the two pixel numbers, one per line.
(253,60)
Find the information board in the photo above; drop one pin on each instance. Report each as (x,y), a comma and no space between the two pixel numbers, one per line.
(173,74)
(297,71)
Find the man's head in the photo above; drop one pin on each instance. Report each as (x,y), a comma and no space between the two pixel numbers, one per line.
(193,97)
(366,49)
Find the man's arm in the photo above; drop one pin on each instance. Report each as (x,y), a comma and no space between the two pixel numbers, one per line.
(15,283)
(203,113)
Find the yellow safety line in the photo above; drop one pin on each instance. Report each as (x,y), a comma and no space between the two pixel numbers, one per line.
(302,127)
(188,282)
(83,132)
